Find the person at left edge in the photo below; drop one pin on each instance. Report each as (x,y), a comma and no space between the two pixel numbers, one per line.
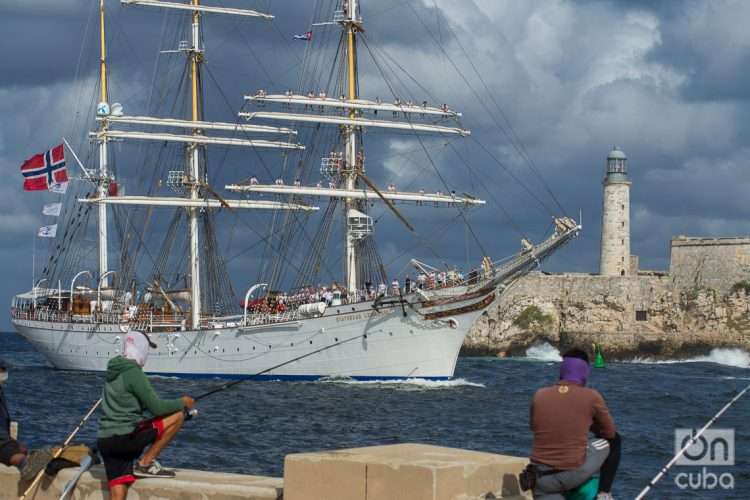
(13,452)
(124,432)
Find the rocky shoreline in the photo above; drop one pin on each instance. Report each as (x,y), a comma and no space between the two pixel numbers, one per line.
(643,317)
(637,347)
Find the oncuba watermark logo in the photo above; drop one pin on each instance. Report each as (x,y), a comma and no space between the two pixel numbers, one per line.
(713,448)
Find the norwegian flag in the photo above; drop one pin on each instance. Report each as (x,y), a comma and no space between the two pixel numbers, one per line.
(42,171)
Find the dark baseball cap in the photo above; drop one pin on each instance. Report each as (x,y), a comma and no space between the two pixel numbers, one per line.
(3,365)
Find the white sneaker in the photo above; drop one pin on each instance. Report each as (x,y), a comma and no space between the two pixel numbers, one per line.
(604,496)
(154,469)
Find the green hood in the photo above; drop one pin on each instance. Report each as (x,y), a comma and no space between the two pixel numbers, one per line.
(127,397)
(119,365)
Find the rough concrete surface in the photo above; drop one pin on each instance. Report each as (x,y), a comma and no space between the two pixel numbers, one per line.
(188,485)
(402,472)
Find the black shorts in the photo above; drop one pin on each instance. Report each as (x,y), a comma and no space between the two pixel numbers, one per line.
(8,449)
(119,452)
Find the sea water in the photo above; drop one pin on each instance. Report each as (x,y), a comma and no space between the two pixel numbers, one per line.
(249,429)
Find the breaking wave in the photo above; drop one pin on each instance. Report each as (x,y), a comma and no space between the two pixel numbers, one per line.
(543,352)
(721,356)
(407,382)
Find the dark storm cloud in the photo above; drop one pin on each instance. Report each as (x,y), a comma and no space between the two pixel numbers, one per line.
(664,80)
(29,58)
(709,43)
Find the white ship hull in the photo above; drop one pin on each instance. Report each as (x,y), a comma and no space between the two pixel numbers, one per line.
(392,342)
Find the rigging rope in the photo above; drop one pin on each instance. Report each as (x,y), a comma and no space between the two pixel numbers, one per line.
(484,105)
(513,137)
(489,192)
(424,148)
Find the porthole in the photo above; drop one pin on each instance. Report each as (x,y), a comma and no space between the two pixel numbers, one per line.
(336,339)
(311,342)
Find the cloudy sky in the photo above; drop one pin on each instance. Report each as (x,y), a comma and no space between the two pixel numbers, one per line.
(666,81)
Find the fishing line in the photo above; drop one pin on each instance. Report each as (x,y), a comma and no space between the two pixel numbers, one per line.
(692,441)
(228,385)
(60,450)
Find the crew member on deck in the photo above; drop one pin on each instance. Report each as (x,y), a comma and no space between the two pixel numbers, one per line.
(124,432)
(563,457)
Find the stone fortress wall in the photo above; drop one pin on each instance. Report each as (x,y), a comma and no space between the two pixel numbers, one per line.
(645,315)
(716,263)
(702,302)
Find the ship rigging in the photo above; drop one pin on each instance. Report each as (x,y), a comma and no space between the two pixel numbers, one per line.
(187,297)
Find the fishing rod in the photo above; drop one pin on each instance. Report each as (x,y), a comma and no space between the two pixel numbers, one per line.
(228,385)
(60,450)
(692,441)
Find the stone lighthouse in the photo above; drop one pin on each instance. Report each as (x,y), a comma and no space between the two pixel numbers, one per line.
(615,245)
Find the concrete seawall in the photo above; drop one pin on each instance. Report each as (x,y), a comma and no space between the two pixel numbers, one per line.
(393,472)
(189,485)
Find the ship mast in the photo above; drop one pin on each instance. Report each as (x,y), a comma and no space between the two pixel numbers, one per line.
(194,153)
(350,132)
(103,153)
(191,180)
(345,168)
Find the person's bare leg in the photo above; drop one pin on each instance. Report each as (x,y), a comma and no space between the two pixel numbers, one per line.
(17,459)
(172,424)
(119,492)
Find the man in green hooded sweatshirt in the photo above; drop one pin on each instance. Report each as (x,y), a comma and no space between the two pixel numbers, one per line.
(124,432)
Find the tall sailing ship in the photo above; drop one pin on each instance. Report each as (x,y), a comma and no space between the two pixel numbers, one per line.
(365,328)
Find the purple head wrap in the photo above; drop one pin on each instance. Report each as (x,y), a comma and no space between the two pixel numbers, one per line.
(574,370)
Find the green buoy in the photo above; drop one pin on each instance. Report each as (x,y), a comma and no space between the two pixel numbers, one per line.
(598,357)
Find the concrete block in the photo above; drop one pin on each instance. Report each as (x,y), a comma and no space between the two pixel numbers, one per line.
(188,485)
(402,472)
(335,477)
